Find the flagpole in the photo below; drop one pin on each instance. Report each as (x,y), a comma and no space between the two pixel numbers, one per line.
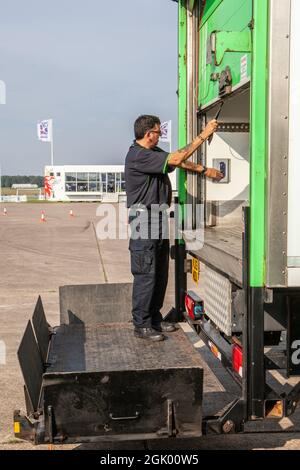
(52,150)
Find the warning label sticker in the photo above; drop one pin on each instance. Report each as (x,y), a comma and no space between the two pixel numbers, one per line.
(195,270)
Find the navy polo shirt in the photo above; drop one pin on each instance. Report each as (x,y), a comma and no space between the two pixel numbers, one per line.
(146,176)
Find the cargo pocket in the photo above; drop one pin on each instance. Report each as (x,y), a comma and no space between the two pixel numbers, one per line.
(142,256)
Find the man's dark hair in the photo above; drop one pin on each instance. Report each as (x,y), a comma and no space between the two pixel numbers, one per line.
(144,124)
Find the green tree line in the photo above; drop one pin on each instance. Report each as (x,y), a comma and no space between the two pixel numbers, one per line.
(7,181)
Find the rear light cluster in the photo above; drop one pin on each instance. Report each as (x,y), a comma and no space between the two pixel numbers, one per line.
(194,305)
(237,359)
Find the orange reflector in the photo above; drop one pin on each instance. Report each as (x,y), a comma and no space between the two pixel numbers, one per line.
(274,409)
(215,351)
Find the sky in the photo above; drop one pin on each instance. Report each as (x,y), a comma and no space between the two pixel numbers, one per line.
(92,66)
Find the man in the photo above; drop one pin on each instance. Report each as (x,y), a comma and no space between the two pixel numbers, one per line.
(147,187)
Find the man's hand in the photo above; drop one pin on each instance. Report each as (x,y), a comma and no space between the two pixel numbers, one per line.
(211,127)
(214,174)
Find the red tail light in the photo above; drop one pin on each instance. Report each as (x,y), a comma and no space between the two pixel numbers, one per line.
(189,306)
(194,305)
(237,359)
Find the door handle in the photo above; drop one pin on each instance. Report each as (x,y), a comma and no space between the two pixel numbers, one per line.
(124,418)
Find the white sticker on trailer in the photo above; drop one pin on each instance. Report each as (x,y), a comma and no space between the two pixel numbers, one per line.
(293,277)
(244,68)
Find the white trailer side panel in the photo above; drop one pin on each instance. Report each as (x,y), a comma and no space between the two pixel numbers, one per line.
(293,249)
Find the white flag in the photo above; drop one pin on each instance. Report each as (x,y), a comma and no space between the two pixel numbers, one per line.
(44,129)
(166,128)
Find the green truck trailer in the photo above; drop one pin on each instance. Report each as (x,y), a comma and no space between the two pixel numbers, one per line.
(237,262)
(239,238)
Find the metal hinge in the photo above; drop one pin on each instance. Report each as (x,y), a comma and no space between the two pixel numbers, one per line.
(251,24)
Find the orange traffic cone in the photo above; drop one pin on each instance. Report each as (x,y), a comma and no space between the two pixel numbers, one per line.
(71,213)
(43,218)
(4,211)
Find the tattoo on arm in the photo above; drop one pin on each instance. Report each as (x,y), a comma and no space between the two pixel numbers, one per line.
(189,166)
(192,147)
(187,148)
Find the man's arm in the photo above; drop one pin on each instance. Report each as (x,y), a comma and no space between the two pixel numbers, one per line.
(190,166)
(196,168)
(181,155)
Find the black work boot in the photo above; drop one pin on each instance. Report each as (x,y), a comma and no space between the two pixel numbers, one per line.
(148,333)
(164,326)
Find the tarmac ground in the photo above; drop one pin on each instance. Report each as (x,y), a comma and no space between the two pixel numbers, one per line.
(38,257)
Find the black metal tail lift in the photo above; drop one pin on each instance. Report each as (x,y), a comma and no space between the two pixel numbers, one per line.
(90,379)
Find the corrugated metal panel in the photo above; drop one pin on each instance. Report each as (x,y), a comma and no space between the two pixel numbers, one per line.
(217,298)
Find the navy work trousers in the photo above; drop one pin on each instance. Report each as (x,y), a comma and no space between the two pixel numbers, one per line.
(150,269)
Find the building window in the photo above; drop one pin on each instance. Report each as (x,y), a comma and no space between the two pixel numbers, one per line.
(81,187)
(70,182)
(82,177)
(123,182)
(82,182)
(94,176)
(103,183)
(71,177)
(51,174)
(57,174)
(118,183)
(111,184)
(94,186)
(94,182)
